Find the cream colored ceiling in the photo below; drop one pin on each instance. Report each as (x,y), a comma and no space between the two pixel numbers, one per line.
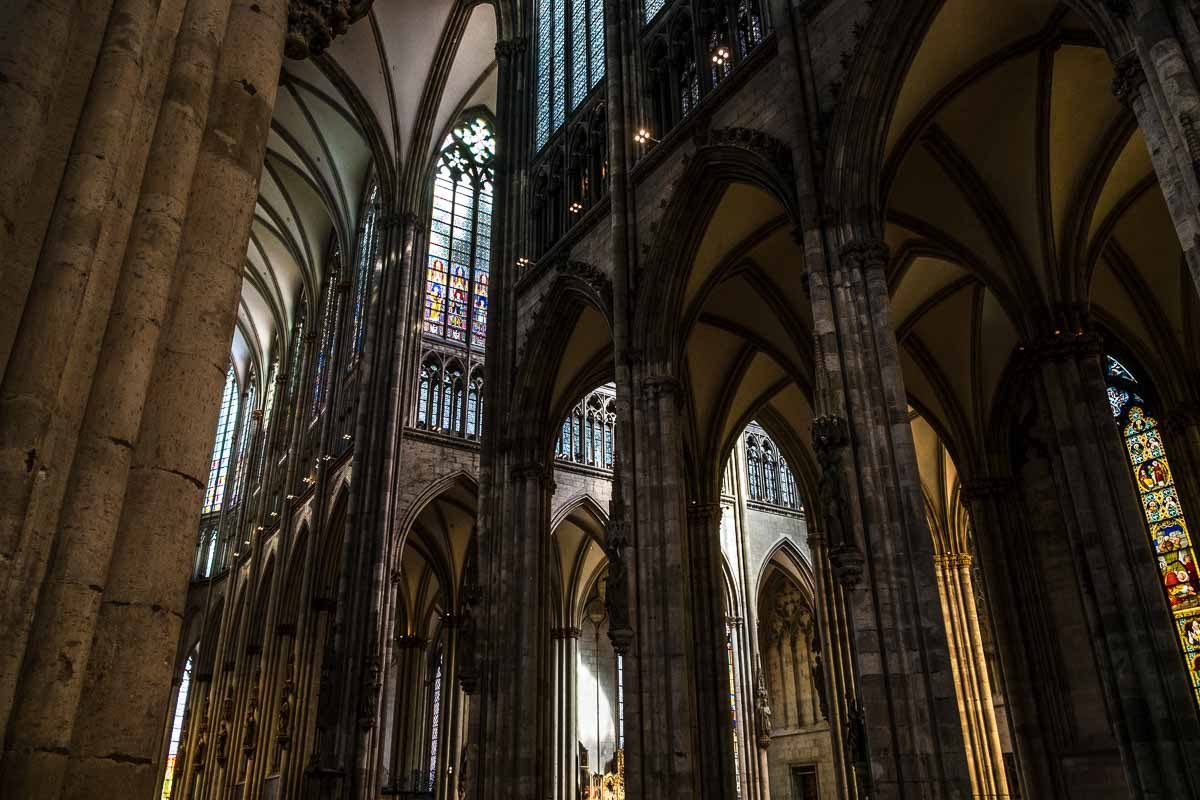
(576,543)
(948,521)
(399,77)
(590,340)
(434,555)
(748,325)
(1016,183)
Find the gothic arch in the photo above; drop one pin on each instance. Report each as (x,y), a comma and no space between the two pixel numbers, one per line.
(891,39)
(579,301)
(658,306)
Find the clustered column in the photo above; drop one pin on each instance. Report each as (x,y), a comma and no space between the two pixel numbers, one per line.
(1137,656)
(109,396)
(882,552)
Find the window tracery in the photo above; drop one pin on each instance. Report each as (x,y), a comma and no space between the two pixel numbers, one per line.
(583,22)
(368,255)
(456,282)
(178,720)
(676,44)
(447,400)
(769,479)
(222,445)
(1170,534)
(588,433)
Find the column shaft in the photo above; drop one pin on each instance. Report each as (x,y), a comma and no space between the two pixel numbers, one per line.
(61,634)
(115,747)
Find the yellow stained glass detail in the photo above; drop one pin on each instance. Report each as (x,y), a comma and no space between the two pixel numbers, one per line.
(1169,533)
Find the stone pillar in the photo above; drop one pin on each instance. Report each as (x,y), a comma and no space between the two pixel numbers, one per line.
(1154,715)
(49,371)
(115,745)
(515,738)
(832,666)
(677,709)
(1168,113)
(880,544)
(971,675)
(712,624)
(47,698)
(566,657)
(48,50)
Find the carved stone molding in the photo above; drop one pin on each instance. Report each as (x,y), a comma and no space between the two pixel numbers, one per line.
(1128,78)
(704,512)
(596,279)
(864,255)
(657,385)
(847,564)
(313,24)
(1065,346)
(565,633)
(510,48)
(772,150)
(984,488)
(409,642)
(831,436)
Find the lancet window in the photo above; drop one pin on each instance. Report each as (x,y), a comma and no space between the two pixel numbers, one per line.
(367,257)
(1162,509)
(769,479)
(218,469)
(447,400)
(460,236)
(588,434)
(570,60)
(178,719)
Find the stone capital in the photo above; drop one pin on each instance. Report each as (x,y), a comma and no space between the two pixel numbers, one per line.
(507,49)
(864,255)
(655,386)
(704,512)
(313,24)
(847,563)
(1128,78)
(409,641)
(565,633)
(830,435)
(983,488)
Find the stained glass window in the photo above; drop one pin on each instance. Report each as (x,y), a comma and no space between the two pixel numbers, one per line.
(474,398)
(588,434)
(243,444)
(222,445)
(734,712)
(328,338)
(1170,535)
(435,716)
(177,720)
(653,7)
(770,474)
(460,236)
(368,253)
(752,468)
(583,20)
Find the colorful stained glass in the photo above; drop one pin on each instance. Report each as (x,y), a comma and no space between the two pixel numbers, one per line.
(243,447)
(456,291)
(214,494)
(328,338)
(177,721)
(1117,400)
(368,253)
(734,711)
(1188,624)
(435,720)
(1169,533)
(596,42)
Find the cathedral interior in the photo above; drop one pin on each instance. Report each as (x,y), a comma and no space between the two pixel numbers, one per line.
(832,433)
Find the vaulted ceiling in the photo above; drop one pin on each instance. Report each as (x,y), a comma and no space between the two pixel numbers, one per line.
(1017,186)
(748,329)
(379,102)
